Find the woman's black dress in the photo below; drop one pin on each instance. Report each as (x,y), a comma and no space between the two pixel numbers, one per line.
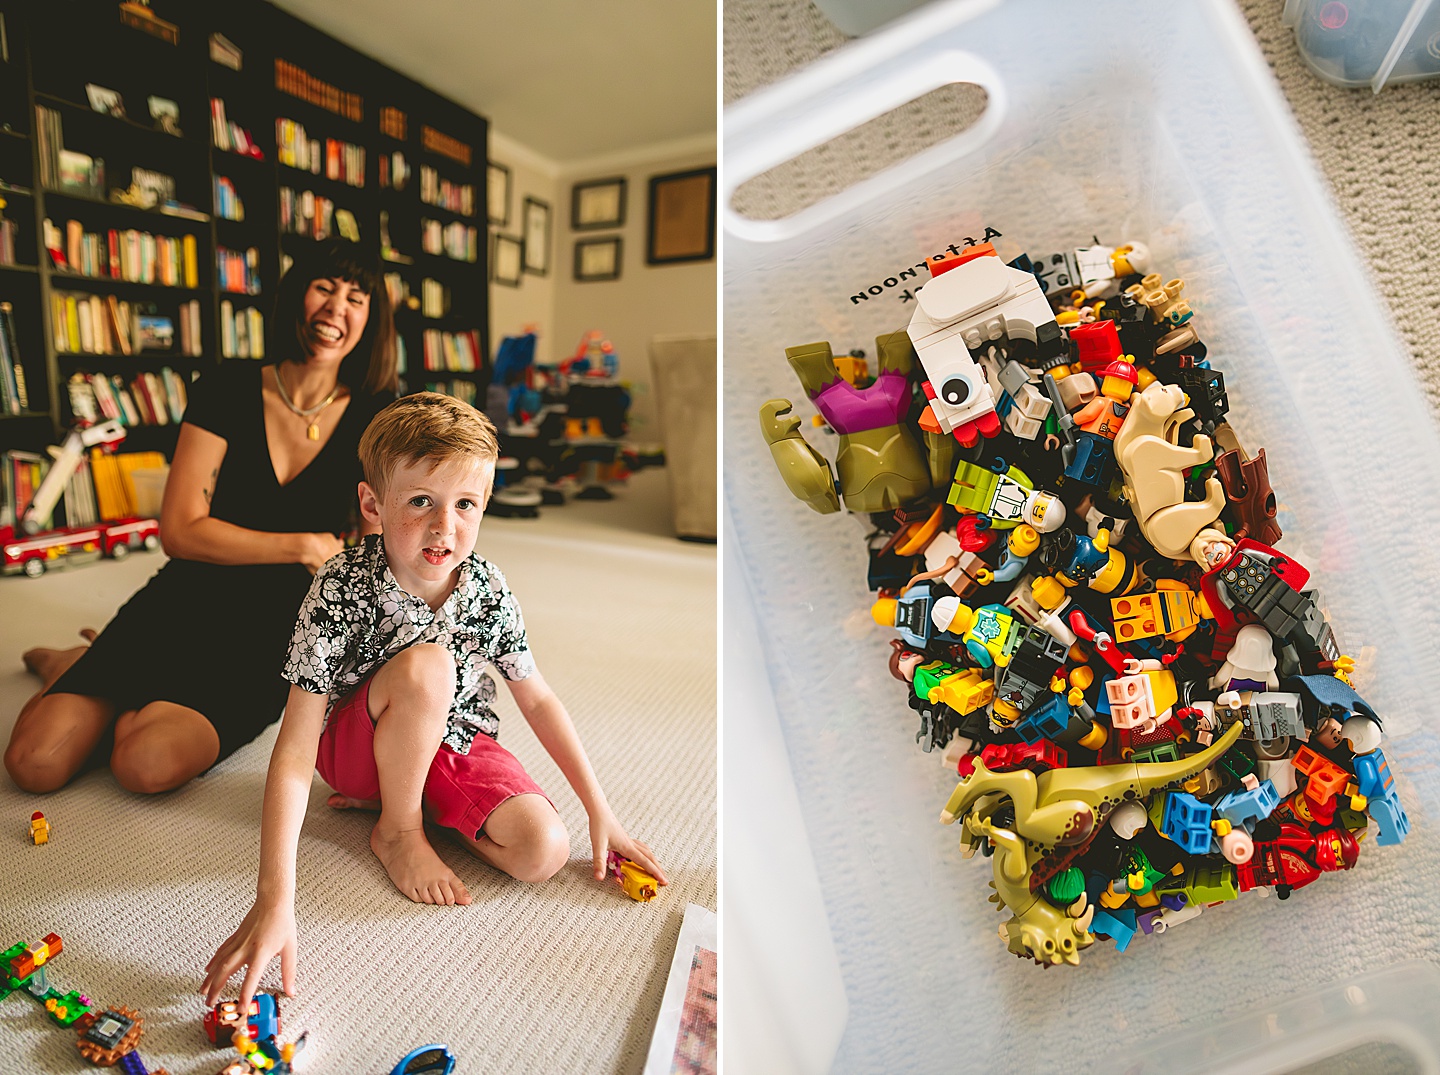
(214,637)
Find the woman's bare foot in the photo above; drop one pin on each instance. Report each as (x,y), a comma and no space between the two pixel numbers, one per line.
(414,867)
(50,664)
(345,802)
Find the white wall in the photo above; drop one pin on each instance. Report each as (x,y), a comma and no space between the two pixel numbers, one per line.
(645,301)
(511,308)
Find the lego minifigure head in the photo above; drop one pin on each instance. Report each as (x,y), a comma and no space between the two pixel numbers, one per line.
(1049,593)
(1251,652)
(883,612)
(950,614)
(1211,548)
(903,661)
(1336,849)
(1130,258)
(1043,511)
(1119,379)
(1361,733)
(1003,714)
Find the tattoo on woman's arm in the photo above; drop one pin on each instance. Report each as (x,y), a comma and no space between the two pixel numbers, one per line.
(206,492)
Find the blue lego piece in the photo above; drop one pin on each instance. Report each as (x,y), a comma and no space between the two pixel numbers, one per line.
(1119,926)
(1243,808)
(912,618)
(513,357)
(266,1020)
(1187,822)
(1390,816)
(1048,719)
(1372,774)
(1093,457)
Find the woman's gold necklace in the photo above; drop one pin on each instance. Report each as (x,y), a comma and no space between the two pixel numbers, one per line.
(312,429)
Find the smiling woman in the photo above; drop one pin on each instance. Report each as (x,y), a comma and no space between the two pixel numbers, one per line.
(262,486)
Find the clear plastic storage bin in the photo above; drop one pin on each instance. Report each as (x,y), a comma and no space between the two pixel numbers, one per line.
(1367,42)
(1148,121)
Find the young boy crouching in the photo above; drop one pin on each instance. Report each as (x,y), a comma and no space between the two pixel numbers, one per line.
(390,646)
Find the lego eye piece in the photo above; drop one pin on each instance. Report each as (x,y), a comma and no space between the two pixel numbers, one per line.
(955,391)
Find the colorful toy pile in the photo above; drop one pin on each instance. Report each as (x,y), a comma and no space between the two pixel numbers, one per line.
(1148,710)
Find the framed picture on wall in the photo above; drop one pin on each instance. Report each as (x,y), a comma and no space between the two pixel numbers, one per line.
(506,255)
(535,230)
(597,259)
(599,203)
(497,193)
(682,217)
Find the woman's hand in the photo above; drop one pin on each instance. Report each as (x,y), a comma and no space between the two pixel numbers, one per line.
(267,931)
(315,549)
(607,834)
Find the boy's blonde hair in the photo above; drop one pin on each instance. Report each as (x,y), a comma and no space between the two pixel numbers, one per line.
(425,426)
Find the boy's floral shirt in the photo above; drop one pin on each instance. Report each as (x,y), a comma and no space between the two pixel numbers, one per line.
(356,617)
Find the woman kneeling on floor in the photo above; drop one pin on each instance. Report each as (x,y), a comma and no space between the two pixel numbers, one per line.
(264,479)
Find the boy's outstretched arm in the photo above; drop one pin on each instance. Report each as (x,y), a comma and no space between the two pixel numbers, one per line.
(556,732)
(269,929)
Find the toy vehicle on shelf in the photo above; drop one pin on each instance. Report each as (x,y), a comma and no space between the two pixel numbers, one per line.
(51,548)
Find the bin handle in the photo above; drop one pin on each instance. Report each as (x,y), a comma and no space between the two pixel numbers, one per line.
(854,85)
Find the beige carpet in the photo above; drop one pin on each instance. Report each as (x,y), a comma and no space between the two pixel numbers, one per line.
(566,977)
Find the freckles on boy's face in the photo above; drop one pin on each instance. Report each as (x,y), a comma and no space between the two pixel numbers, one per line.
(431,516)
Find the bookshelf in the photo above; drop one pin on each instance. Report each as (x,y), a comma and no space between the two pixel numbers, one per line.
(382,159)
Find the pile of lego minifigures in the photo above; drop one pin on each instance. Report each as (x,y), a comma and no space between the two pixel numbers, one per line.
(1147,708)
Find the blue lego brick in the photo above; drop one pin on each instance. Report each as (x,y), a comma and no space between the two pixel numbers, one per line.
(1187,822)
(1119,926)
(1243,808)
(1390,816)
(1047,720)
(1372,773)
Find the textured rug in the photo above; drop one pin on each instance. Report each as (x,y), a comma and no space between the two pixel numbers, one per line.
(565,977)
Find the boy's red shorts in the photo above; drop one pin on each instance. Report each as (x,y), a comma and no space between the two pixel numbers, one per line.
(460,790)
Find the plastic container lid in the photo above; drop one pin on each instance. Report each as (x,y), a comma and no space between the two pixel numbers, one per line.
(1371,43)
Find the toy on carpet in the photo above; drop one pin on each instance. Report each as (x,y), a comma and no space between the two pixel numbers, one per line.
(633,881)
(39,829)
(1146,704)
(426,1060)
(105,1038)
(224,1021)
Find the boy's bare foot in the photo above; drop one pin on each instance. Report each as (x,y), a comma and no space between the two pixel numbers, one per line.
(345,802)
(49,664)
(414,867)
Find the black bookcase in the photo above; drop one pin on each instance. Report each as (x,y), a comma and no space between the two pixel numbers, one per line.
(288,71)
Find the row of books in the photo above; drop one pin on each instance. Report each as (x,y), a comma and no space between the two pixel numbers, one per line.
(61,168)
(147,399)
(452,351)
(393,122)
(8,230)
(394,170)
(227,202)
(308,213)
(454,240)
(465,391)
(298,82)
(231,137)
(343,162)
(20,476)
(457,197)
(242,332)
(239,272)
(434,298)
(104,325)
(14,396)
(136,256)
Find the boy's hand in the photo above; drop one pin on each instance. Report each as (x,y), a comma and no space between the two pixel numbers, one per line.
(267,931)
(607,834)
